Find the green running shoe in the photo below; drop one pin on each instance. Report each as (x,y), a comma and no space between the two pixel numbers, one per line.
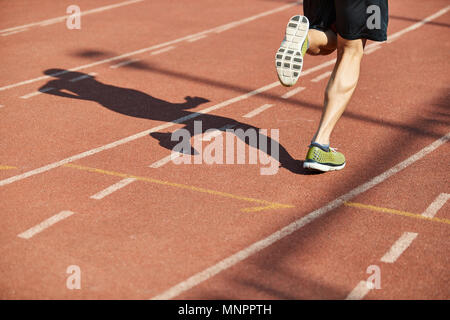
(319,158)
(289,57)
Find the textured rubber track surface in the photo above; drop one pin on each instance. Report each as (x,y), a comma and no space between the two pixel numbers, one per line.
(139,226)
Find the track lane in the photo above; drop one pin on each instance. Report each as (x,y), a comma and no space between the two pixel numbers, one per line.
(268,223)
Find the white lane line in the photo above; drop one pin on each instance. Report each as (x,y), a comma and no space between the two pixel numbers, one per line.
(63,18)
(292,92)
(163,126)
(359,292)
(217,132)
(123,63)
(224,28)
(197,38)
(174,155)
(51,21)
(165,160)
(119,185)
(331,62)
(230,25)
(371,49)
(32,94)
(322,76)
(13,32)
(162,50)
(84,76)
(417,24)
(296,225)
(295,119)
(45,224)
(144,50)
(434,207)
(399,247)
(136,136)
(258,110)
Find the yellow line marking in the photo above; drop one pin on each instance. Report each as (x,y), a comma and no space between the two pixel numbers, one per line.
(268,204)
(7,167)
(269,207)
(393,211)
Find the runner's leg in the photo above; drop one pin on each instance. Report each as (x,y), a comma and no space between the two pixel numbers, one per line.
(321,42)
(341,86)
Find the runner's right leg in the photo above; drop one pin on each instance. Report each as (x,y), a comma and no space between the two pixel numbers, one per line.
(321,42)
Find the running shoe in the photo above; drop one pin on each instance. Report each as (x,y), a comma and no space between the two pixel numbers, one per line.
(323,159)
(289,57)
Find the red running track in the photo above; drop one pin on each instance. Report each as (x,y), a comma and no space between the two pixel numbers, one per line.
(216,231)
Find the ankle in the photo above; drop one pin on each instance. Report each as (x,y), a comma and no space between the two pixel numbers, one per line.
(321,140)
(323,146)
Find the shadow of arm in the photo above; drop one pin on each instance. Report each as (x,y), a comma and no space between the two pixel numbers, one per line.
(55,88)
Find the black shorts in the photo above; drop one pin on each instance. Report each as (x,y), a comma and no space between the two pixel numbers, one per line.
(352,19)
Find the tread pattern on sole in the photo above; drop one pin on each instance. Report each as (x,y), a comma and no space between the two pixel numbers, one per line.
(288,59)
(322,167)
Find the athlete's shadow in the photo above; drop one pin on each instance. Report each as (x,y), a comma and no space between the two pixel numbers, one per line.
(135,103)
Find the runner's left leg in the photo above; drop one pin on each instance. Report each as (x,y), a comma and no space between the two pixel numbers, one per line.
(341,86)
(321,42)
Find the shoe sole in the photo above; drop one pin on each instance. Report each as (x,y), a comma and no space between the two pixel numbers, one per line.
(288,59)
(322,167)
